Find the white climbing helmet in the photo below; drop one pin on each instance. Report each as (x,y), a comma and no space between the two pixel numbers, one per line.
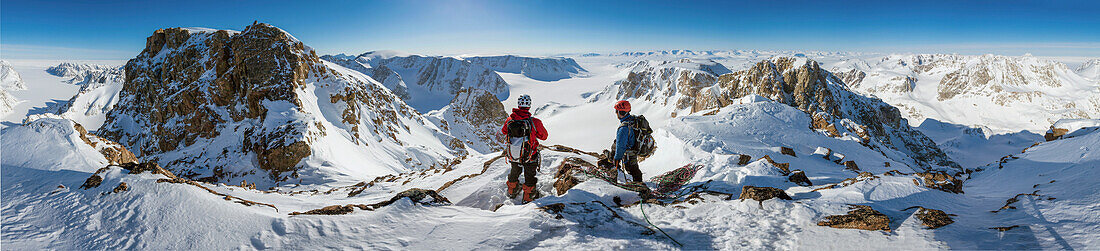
(524,101)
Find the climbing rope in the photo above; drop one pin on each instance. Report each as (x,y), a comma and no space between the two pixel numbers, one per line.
(641,207)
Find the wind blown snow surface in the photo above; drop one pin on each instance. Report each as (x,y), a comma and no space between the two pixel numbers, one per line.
(1016,194)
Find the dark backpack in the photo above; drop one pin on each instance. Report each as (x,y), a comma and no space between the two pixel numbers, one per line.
(643,137)
(518,147)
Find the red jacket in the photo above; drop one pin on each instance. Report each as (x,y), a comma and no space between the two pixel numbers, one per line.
(536,135)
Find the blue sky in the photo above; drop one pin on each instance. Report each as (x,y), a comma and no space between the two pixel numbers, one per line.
(117,29)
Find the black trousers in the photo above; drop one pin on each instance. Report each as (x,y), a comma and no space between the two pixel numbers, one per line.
(630,163)
(529,170)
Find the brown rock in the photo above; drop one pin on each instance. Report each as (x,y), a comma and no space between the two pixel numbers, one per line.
(939,181)
(861,217)
(787,151)
(799,177)
(91,182)
(851,165)
(743,159)
(932,218)
(1054,133)
(122,187)
(761,194)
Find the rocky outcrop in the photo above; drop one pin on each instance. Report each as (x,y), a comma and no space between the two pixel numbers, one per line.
(799,177)
(860,217)
(224,104)
(115,153)
(760,194)
(939,181)
(798,82)
(932,218)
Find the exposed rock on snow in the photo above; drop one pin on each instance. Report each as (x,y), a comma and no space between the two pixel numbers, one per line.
(760,194)
(940,181)
(1065,128)
(799,177)
(425,83)
(474,116)
(932,218)
(861,217)
(544,69)
(222,105)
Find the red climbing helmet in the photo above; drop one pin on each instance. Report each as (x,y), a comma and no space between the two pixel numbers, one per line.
(623,106)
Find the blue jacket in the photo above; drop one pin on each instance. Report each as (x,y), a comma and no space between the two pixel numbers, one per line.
(624,138)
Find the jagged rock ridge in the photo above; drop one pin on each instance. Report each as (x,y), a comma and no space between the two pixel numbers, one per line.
(218,105)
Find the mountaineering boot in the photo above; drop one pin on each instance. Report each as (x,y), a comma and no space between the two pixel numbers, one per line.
(530,194)
(513,189)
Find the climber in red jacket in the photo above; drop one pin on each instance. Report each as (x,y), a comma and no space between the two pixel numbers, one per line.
(523,133)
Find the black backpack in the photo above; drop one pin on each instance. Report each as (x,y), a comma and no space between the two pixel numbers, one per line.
(643,137)
(518,147)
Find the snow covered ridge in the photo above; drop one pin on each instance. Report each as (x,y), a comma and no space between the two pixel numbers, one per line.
(690,87)
(1090,69)
(259,105)
(1005,93)
(544,69)
(474,116)
(9,81)
(59,144)
(425,83)
(99,91)
(69,69)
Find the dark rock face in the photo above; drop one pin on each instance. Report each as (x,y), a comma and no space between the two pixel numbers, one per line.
(188,85)
(860,217)
(799,177)
(761,194)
